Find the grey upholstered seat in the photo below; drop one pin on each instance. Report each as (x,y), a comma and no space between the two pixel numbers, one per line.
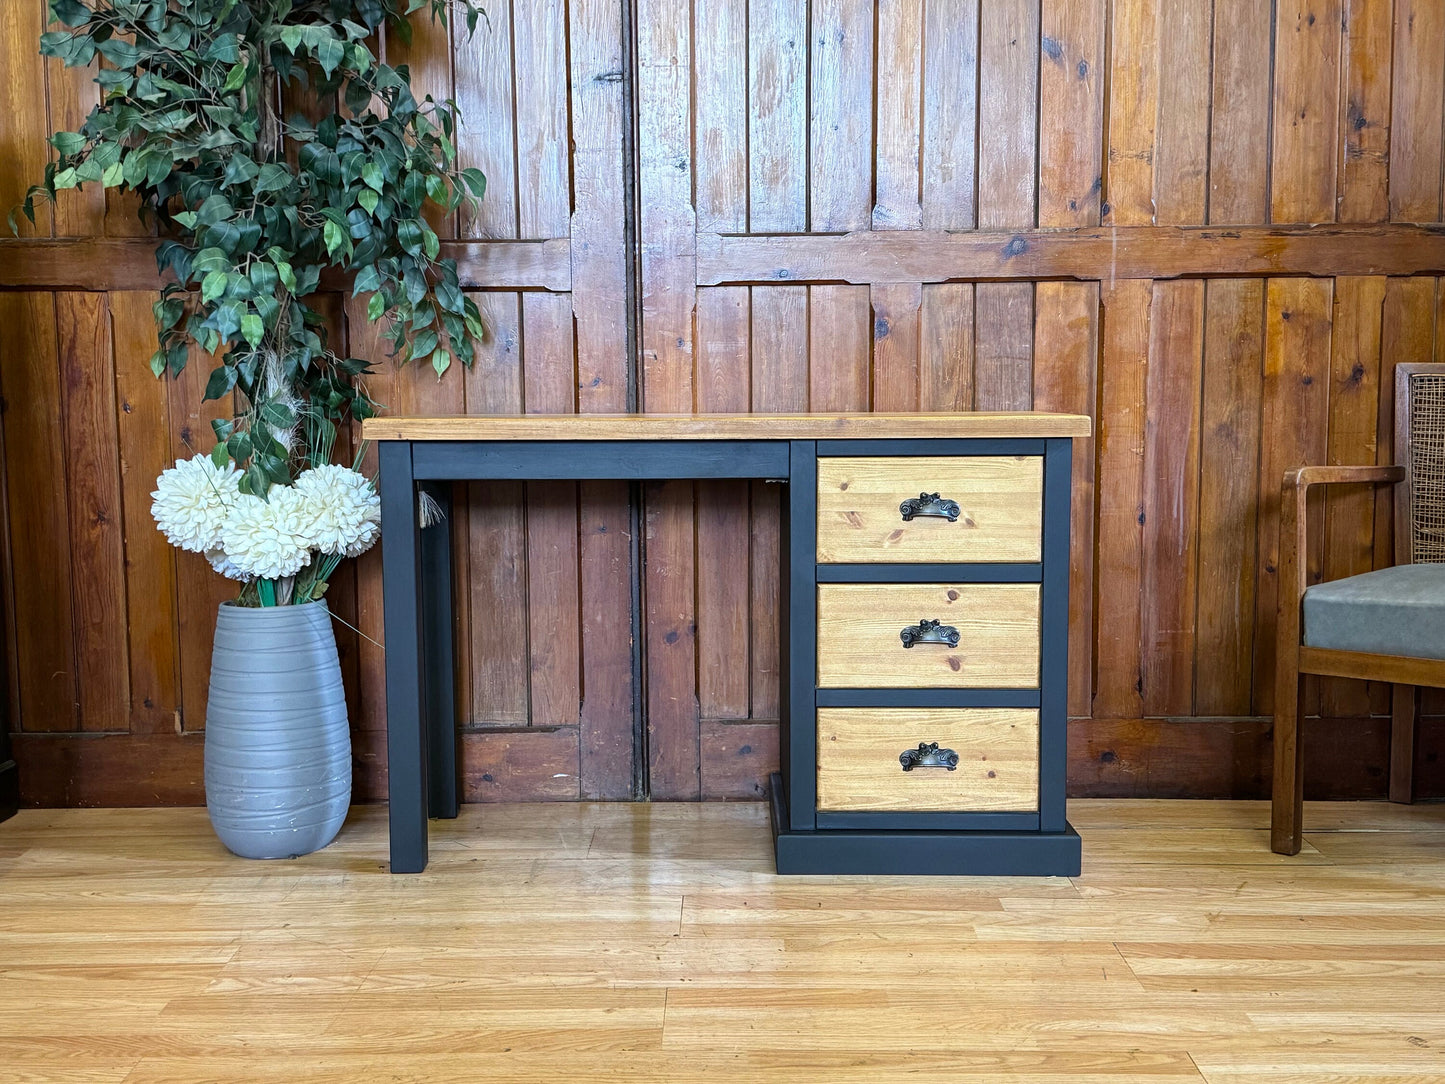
(1392,611)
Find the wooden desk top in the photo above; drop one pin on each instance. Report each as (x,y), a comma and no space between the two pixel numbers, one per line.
(724,426)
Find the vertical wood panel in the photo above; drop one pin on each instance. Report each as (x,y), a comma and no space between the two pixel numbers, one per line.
(1228,495)
(599,257)
(946,348)
(1296,405)
(1071,110)
(1416,105)
(838,348)
(44,667)
(544,195)
(780,349)
(673,749)
(895,345)
(497,600)
(1066,352)
(87,374)
(23,148)
(897,181)
(1181,152)
(1133,111)
(1364,164)
(840,131)
(488,136)
(607,745)
(777,115)
(1239,117)
(1171,498)
(1003,347)
(720,116)
(1122,380)
(950,113)
(143,425)
(1008,113)
(1306,111)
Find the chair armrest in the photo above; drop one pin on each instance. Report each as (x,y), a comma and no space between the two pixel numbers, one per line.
(1293,521)
(1304,477)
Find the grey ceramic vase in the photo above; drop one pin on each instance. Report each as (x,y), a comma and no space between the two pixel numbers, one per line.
(278,749)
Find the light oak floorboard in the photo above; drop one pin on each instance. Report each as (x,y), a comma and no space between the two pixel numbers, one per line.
(653,943)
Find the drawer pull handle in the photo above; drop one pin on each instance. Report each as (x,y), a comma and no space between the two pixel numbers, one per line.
(928,755)
(929,504)
(929,632)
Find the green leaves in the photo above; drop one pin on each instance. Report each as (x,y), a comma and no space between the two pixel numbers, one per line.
(254,207)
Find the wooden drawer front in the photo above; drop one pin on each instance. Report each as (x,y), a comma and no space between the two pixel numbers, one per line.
(860,643)
(859,767)
(1000,503)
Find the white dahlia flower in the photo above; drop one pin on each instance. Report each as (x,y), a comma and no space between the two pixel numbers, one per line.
(270,539)
(191,502)
(346,506)
(225,566)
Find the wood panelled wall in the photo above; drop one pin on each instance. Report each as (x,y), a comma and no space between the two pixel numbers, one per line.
(1205,224)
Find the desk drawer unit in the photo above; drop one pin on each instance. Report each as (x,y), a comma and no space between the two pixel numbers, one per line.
(935,723)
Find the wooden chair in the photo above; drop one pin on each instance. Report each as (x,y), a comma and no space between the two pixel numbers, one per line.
(1386,625)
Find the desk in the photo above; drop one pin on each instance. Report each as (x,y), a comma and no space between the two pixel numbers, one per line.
(860,553)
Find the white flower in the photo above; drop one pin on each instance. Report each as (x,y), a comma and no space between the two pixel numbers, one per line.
(225,566)
(346,506)
(191,501)
(270,539)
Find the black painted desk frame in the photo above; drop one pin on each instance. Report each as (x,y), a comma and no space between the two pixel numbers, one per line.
(421,722)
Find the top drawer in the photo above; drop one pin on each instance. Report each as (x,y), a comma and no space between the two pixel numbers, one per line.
(999,506)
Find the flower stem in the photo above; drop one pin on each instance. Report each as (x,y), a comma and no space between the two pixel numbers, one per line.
(266,589)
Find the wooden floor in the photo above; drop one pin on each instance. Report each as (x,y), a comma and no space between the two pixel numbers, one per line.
(654,943)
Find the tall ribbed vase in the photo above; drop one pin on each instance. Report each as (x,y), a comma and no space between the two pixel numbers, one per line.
(278,749)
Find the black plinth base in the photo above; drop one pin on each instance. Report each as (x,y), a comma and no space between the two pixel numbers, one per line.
(986,854)
(9,789)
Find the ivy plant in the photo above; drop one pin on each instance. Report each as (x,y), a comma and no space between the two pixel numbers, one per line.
(255,205)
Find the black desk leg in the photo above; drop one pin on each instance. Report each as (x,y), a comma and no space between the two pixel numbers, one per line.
(406,747)
(439,681)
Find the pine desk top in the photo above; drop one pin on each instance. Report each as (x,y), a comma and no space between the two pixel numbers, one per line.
(465,427)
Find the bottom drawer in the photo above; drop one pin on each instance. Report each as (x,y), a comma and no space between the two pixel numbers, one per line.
(997,767)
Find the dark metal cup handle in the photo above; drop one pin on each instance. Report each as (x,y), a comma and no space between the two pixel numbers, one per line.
(929,632)
(928,755)
(929,504)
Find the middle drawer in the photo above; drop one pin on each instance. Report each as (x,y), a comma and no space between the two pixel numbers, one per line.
(883,636)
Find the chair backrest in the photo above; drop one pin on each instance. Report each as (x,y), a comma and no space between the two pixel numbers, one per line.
(1420,449)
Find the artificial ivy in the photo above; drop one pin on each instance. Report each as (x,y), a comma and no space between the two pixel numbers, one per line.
(256,206)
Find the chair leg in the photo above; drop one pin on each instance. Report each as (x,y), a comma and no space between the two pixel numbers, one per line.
(1287,804)
(1403,699)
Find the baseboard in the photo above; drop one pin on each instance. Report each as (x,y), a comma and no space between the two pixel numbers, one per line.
(9,789)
